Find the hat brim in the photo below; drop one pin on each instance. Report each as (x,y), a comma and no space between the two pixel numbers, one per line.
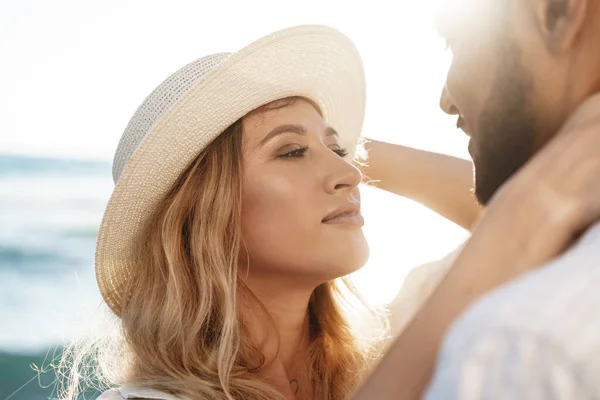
(315,62)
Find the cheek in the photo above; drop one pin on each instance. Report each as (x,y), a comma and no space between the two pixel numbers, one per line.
(279,216)
(282,230)
(469,81)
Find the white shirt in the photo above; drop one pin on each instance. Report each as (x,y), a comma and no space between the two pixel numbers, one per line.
(537,337)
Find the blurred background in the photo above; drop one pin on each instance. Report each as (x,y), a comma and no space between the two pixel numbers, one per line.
(73,73)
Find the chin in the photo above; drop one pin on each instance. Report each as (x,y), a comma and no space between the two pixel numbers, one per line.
(349,257)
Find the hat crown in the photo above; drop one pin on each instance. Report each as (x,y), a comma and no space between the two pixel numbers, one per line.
(156,104)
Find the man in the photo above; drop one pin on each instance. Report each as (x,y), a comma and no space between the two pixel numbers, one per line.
(522,71)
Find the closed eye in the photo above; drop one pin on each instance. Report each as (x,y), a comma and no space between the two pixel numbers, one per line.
(300,152)
(294,153)
(342,152)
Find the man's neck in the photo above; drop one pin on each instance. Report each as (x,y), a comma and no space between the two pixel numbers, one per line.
(588,111)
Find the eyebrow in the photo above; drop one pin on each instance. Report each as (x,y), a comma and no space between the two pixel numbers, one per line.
(292,128)
(331,132)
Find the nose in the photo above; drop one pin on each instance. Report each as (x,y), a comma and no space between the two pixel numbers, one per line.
(446,103)
(343,176)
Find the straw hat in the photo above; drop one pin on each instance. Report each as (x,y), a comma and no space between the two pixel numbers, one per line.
(197,103)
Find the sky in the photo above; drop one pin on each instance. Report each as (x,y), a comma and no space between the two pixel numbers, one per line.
(73,72)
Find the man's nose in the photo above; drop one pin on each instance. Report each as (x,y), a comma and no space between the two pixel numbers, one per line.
(446,103)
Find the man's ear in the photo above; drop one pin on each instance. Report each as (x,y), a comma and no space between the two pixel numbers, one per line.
(560,21)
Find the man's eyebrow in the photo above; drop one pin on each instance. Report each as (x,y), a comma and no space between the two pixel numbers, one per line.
(289,128)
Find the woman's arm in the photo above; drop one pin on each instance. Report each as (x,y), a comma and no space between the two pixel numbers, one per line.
(484,263)
(439,182)
(530,221)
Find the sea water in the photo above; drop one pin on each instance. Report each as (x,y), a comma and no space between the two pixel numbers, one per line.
(50,212)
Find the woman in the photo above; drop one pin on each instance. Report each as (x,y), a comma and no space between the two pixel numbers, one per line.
(235,211)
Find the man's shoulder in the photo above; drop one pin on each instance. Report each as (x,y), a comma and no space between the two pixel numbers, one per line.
(559,302)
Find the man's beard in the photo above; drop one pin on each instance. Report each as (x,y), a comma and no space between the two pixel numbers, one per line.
(505,135)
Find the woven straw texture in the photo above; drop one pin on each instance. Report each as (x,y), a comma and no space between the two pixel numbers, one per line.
(193,106)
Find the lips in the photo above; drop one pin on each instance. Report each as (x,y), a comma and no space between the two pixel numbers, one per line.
(461,124)
(348,214)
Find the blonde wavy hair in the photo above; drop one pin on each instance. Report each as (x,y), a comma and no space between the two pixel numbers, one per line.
(181,331)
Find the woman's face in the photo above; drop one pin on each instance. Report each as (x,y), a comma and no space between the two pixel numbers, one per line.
(301,203)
